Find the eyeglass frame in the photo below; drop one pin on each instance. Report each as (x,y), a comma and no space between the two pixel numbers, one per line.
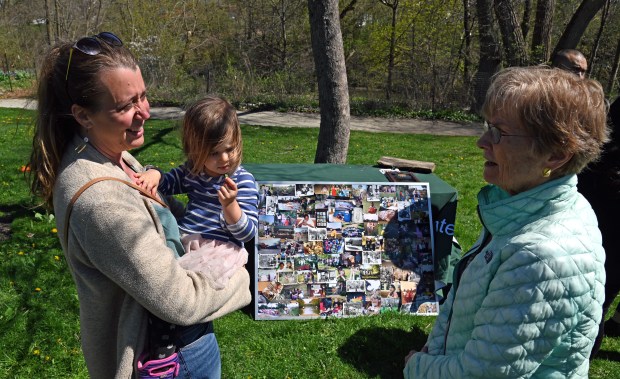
(107,37)
(496,133)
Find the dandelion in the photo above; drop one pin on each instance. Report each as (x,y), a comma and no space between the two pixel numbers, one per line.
(21,253)
(36,352)
(56,257)
(37,289)
(54,230)
(47,358)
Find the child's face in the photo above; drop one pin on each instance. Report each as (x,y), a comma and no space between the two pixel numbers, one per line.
(220,160)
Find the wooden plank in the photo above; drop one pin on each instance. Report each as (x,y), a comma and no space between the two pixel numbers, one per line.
(406,164)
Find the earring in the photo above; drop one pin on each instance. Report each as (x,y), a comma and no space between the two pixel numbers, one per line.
(81,148)
(546,172)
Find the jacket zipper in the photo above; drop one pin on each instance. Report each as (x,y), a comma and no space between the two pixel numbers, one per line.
(458,272)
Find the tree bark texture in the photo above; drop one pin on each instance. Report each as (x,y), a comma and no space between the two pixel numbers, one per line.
(541,38)
(525,22)
(490,57)
(328,52)
(514,44)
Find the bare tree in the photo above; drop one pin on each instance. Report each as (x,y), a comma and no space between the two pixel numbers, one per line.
(490,57)
(514,44)
(467,32)
(393,5)
(348,8)
(578,24)
(597,39)
(525,23)
(541,38)
(614,70)
(328,51)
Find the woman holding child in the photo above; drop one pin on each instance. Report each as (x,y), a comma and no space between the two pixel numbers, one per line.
(92,107)
(526,300)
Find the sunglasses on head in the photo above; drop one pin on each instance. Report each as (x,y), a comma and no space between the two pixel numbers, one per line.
(92,46)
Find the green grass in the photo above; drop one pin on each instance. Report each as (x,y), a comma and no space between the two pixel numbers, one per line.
(39,326)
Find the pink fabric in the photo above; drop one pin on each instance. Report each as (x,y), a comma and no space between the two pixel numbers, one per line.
(217,260)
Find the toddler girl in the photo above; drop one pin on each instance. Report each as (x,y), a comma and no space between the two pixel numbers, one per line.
(222,210)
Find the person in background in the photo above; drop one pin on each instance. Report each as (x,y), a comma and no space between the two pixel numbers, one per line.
(571,60)
(600,184)
(222,212)
(92,107)
(526,300)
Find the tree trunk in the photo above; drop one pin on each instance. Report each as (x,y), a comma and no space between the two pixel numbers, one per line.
(48,21)
(348,8)
(57,20)
(541,38)
(393,5)
(490,58)
(514,45)
(578,24)
(328,51)
(525,23)
(614,70)
(283,36)
(467,49)
(597,39)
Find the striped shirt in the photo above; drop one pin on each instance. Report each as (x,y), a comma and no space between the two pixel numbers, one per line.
(204,212)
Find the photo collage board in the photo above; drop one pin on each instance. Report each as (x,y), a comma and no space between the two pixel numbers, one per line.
(327,249)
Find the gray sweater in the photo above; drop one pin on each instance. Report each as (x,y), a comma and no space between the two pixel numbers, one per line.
(122,267)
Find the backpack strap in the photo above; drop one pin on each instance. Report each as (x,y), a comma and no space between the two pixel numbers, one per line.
(97,180)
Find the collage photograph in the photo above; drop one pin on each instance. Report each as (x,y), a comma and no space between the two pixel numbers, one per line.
(343,250)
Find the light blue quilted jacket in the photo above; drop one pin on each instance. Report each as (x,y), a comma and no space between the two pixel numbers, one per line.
(529,303)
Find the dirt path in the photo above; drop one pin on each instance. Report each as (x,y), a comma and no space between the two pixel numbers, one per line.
(312,120)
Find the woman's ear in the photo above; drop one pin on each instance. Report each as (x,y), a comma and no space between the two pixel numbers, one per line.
(81,115)
(558,159)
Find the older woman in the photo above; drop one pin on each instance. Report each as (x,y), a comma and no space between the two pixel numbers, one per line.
(92,109)
(526,300)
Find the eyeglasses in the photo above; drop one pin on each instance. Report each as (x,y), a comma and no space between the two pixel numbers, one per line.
(496,134)
(92,46)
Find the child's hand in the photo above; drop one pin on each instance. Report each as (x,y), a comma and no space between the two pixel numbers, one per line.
(227,192)
(149,180)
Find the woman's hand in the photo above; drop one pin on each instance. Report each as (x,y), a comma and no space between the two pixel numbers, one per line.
(408,357)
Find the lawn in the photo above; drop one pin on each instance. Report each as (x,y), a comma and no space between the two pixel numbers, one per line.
(39,327)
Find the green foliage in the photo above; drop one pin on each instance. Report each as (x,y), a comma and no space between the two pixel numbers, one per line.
(39,322)
(385,108)
(10,81)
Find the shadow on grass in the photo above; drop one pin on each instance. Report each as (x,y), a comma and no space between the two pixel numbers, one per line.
(608,355)
(380,352)
(8,213)
(155,140)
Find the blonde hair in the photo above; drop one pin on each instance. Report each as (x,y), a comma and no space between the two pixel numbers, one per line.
(208,124)
(559,110)
(60,88)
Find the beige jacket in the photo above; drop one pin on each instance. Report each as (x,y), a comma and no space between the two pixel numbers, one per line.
(122,267)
